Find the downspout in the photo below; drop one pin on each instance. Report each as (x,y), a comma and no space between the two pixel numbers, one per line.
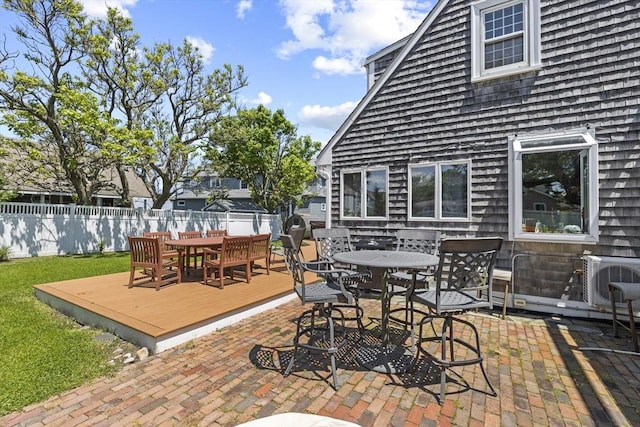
(322,171)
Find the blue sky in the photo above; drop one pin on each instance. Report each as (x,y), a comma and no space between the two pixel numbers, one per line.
(304,56)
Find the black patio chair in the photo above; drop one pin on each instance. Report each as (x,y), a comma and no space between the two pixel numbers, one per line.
(316,328)
(463,282)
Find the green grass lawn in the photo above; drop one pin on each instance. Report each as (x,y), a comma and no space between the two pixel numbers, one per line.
(42,352)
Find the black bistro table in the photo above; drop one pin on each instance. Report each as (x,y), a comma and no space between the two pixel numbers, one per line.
(390,358)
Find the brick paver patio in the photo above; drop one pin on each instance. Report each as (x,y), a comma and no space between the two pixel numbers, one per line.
(547,371)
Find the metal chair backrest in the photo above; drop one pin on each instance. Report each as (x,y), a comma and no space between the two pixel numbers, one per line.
(297,233)
(466,265)
(330,241)
(326,288)
(426,241)
(291,254)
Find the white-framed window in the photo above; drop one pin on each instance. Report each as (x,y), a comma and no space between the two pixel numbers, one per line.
(364,193)
(440,191)
(323,207)
(505,38)
(561,171)
(181,203)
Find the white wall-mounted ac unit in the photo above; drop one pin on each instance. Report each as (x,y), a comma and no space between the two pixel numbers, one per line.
(599,271)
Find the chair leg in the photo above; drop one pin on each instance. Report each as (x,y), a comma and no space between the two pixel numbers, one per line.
(205,276)
(131,276)
(319,311)
(632,325)
(443,371)
(158,278)
(446,341)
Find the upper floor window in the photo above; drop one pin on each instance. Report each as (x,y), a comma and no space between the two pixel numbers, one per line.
(440,191)
(554,187)
(505,37)
(364,188)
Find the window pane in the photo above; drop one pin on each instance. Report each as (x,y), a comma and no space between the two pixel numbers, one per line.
(351,194)
(559,182)
(454,191)
(504,52)
(503,21)
(377,193)
(423,188)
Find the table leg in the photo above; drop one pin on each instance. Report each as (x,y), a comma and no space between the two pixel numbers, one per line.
(386,357)
(381,275)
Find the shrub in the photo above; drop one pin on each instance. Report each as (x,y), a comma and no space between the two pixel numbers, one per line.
(5,252)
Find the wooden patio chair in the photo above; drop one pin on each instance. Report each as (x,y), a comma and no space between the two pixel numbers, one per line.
(260,250)
(196,252)
(146,253)
(163,236)
(216,233)
(234,253)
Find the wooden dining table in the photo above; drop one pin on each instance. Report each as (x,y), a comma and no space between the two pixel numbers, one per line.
(187,245)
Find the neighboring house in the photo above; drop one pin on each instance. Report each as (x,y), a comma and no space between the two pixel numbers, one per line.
(62,192)
(492,113)
(314,204)
(237,205)
(64,195)
(195,195)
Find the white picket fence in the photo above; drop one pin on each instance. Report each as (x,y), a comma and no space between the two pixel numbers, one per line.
(39,229)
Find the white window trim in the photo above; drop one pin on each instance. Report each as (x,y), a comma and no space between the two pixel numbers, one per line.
(531,43)
(180,203)
(515,187)
(438,192)
(363,193)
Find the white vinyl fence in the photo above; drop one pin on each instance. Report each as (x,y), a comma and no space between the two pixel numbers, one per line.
(38,229)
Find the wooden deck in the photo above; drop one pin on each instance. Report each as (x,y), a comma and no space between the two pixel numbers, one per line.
(175,314)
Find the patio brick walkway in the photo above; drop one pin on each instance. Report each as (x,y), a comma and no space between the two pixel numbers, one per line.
(548,372)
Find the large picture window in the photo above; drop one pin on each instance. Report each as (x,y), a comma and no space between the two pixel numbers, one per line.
(554,187)
(505,37)
(366,188)
(439,191)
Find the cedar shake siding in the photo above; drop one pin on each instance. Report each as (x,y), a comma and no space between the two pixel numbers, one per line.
(428,109)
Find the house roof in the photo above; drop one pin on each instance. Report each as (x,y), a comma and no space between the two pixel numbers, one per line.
(204,193)
(237,205)
(325,156)
(41,184)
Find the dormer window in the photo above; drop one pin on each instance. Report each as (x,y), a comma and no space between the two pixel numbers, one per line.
(505,38)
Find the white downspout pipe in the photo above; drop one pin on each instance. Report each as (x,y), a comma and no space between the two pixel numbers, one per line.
(325,172)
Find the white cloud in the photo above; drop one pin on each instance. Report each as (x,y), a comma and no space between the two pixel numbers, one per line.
(243,7)
(336,65)
(348,30)
(325,117)
(205,48)
(263,98)
(96,8)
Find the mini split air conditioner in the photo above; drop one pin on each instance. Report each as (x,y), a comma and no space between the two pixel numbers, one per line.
(599,271)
